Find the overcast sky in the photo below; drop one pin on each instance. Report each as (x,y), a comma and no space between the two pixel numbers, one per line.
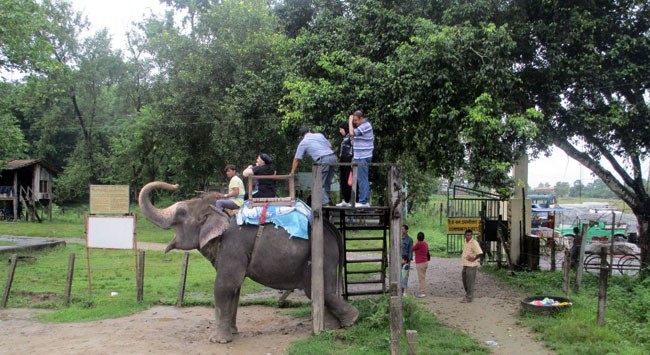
(117,16)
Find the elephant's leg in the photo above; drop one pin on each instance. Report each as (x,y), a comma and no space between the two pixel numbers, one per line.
(346,313)
(235,305)
(226,297)
(338,313)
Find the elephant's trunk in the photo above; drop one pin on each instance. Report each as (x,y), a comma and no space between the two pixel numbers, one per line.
(161,218)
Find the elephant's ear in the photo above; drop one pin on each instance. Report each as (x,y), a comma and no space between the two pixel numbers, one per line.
(215,224)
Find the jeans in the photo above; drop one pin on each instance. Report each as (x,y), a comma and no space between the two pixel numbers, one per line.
(221,204)
(327,174)
(362,179)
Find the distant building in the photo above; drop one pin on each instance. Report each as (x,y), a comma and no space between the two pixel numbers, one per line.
(24,185)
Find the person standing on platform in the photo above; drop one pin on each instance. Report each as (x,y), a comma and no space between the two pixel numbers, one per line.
(345,156)
(320,150)
(363,143)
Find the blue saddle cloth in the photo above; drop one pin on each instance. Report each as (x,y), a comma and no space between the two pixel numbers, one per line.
(294,219)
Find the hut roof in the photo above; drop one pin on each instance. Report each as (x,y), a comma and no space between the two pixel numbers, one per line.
(22,163)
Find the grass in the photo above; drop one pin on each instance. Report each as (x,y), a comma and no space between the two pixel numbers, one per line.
(575,331)
(371,334)
(70,224)
(41,283)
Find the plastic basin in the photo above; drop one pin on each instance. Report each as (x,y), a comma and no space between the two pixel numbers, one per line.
(544,310)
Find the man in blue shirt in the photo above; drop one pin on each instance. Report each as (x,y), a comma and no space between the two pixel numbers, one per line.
(363,145)
(320,150)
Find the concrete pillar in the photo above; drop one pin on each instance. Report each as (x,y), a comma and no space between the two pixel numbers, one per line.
(519,209)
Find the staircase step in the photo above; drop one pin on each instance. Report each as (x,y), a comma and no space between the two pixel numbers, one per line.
(358,261)
(367,292)
(350,272)
(364,250)
(365,282)
(363,238)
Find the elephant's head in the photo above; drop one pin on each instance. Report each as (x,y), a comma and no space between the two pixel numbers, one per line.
(195,221)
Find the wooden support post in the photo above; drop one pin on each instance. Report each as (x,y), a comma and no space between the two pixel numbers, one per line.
(395,323)
(181,285)
(581,258)
(566,269)
(10,280)
(395,258)
(395,236)
(411,342)
(440,216)
(317,278)
(140,277)
(602,289)
(68,280)
(552,253)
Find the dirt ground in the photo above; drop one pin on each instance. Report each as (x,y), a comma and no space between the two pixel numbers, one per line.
(266,330)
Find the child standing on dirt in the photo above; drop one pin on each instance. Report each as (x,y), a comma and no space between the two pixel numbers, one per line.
(405,274)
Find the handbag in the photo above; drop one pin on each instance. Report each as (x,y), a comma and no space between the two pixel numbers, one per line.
(428,256)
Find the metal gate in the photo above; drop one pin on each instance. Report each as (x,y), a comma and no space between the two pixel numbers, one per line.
(480,211)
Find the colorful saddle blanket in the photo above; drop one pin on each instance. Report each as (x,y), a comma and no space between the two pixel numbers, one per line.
(294,219)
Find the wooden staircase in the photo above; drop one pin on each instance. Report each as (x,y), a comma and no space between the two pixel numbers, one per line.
(28,200)
(366,266)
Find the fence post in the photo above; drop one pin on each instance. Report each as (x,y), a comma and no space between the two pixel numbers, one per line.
(181,286)
(68,280)
(10,280)
(581,258)
(566,269)
(140,277)
(602,289)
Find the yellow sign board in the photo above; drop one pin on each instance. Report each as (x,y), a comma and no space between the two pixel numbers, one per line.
(109,199)
(460,225)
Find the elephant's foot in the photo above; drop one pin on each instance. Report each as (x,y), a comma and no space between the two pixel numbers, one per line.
(350,318)
(234,330)
(330,321)
(221,337)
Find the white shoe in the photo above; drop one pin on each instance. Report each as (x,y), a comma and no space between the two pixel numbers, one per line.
(343,204)
(362,205)
(422,295)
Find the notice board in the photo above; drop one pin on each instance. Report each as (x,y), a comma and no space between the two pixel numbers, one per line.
(109,199)
(110,232)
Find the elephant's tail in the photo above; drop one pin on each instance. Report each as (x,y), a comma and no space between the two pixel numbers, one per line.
(339,242)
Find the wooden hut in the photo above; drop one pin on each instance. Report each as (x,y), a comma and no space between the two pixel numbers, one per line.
(26,185)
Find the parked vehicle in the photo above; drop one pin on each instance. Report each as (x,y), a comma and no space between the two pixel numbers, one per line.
(598,229)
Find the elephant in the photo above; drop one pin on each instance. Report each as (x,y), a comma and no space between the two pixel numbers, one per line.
(273,260)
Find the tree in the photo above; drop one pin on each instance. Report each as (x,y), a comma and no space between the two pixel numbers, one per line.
(21,49)
(586,66)
(446,88)
(217,86)
(562,189)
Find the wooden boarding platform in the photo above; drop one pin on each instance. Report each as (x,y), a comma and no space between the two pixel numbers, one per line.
(366,261)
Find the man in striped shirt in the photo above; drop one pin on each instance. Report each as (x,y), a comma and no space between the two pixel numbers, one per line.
(363,146)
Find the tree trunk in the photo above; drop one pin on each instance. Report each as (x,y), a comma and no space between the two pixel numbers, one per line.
(644,243)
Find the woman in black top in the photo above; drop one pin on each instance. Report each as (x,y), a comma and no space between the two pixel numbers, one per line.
(345,156)
(263,166)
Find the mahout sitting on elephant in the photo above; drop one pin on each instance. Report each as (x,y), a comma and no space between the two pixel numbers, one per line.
(274,259)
